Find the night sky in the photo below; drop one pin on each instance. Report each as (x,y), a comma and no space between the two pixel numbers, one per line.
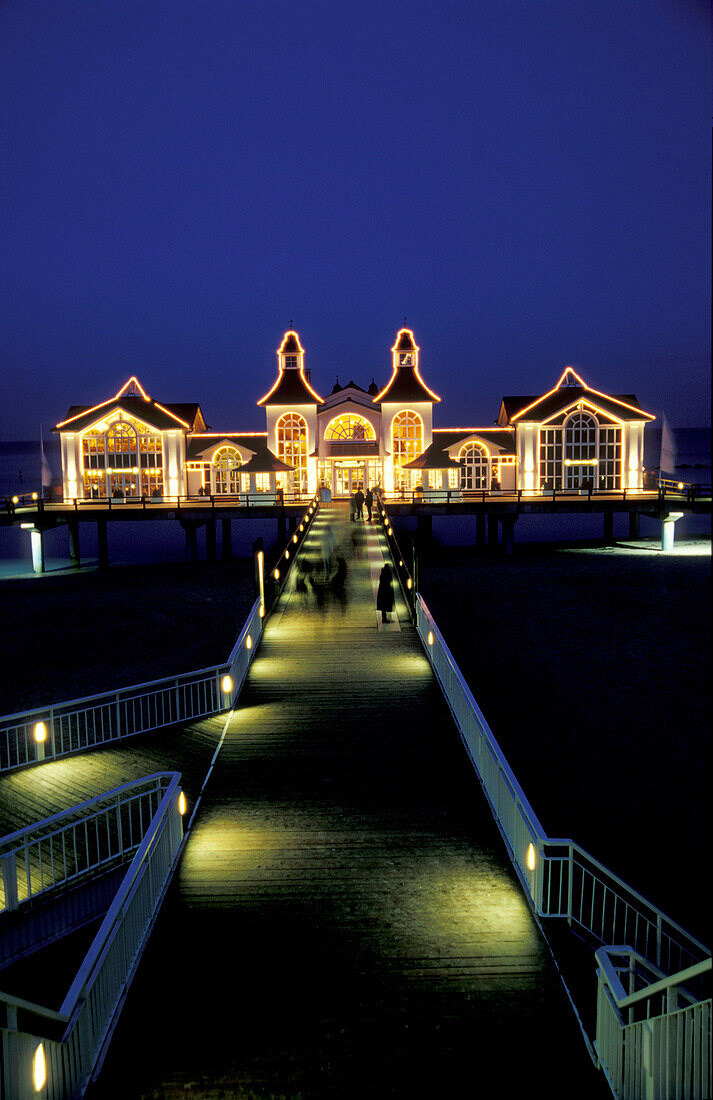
(528,182)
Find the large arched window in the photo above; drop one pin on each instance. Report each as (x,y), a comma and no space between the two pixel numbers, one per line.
(125,459)
(580,451)
(349,427)
(122,445)
(292,447)
(406,443)
(474,467)
(226,470)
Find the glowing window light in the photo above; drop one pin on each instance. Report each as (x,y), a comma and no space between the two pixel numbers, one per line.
(182,804)
(531,857)
(248,642)
(430,637)
(39,1068)
(226,685)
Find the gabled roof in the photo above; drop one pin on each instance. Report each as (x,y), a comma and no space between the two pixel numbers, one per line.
(569,391)
(436,456)
(134,401)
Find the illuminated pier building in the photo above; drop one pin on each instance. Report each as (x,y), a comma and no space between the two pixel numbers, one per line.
(572,437)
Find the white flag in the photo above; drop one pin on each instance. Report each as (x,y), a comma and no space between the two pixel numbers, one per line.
(45,472)
(667,462)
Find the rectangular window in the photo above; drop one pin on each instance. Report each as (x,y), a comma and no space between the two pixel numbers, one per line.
(551,458)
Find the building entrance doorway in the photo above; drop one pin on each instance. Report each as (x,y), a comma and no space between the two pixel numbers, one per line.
(348,478)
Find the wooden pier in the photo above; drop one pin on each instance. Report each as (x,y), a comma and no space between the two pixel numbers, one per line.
(344,921)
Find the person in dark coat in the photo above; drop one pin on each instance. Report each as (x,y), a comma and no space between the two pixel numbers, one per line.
(359,501)
(385,593)
(369,501)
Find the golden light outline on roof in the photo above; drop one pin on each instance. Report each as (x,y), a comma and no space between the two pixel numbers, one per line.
(285,338)
(606,396)
(103,404)
(583,402)
(290,332)
(395,369)
(172,415)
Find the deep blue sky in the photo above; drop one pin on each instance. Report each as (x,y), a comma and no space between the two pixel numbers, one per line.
(528,182)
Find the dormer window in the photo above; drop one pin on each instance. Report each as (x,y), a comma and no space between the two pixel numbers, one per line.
(291,361)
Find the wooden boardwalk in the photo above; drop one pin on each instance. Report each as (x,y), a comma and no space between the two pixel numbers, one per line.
(344,922)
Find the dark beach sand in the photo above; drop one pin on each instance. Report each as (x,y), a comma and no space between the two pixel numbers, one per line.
(76,634)
(592,667)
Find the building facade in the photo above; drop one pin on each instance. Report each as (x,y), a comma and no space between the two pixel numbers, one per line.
(571,438)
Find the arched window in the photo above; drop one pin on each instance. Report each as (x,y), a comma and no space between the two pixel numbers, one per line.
(292,448)
(474,467)
(406,443)
(580,441)
(226,470)
(122,445)
(580,451)
(349,427)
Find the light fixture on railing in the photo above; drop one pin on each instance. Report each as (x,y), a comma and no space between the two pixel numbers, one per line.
(248,642)
(409,583)
(531,857)
(227,685)
(430,637)
(276,574)
(182,804)
(39,1068)
(40,732)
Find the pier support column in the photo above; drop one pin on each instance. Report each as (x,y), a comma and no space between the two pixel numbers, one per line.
(210,541)
(667,530)
(37,541)
(226,540)
(492,532)
(190,526)
(508,526)
(608,532)
(480,530)
(102,544)
(634,525)
(73,530)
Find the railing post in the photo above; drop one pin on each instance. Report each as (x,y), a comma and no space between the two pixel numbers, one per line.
(9,880)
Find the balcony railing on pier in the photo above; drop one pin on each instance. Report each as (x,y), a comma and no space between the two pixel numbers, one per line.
(564,881)
(49,732)
(53,1053)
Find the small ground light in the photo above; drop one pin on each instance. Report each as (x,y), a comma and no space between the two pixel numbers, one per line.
(531,857)
(182,805)
(227,685)
(39,1068)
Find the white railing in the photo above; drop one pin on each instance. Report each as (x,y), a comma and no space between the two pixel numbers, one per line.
(68,1043)
(46,733)
(653,1031)
(68,847)
(560,878)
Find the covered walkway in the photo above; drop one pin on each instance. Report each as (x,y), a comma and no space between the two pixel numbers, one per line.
(344,922)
